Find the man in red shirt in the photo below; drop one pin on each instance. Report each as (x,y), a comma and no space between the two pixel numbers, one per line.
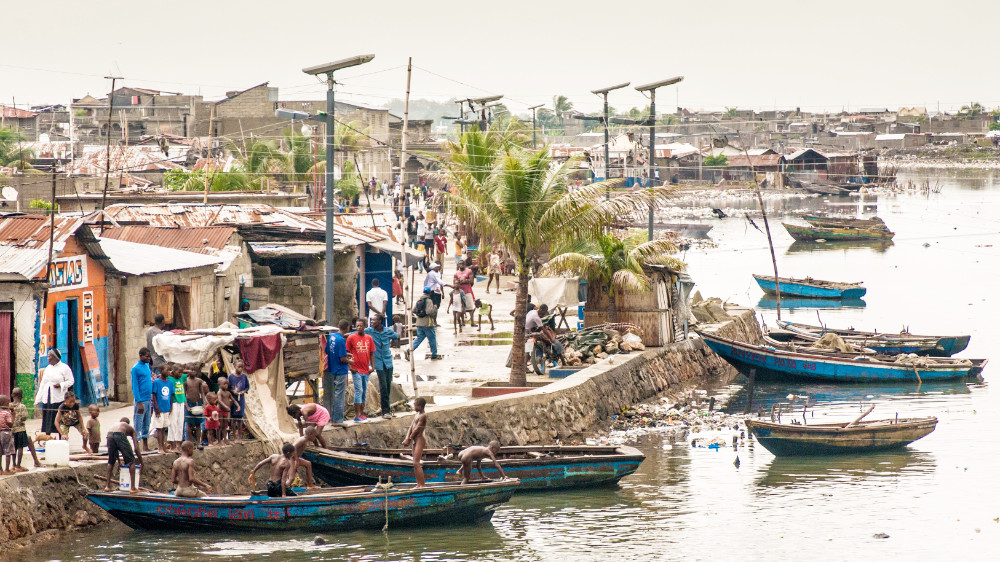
(360,346)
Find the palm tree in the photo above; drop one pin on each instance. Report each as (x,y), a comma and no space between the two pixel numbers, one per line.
(562,106)
(11,152)
(974,109)
(617,263)
(518,198)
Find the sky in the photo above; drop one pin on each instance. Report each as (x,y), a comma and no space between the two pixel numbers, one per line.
(752,55)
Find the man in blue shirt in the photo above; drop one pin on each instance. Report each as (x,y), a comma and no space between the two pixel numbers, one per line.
(142,392)
(382,359)
(337,365)
(163,399)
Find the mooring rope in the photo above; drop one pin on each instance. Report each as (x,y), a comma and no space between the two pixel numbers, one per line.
(385,488)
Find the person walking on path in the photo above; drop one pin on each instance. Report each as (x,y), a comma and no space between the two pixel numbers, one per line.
(53,383)
(377,300)
(156,329)
(495,266)
(142,392)
(338,365)
(382,360)
(426,311)
(464,278)
(361,346)
(434,283)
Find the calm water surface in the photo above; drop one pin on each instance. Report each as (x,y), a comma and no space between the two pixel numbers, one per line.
(936,500)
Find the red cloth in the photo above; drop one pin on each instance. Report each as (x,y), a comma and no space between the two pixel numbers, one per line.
(212,416)
(397,287)
(258,351)
(361,346)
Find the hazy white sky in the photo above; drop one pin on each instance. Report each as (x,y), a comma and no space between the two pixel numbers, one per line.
(763,54)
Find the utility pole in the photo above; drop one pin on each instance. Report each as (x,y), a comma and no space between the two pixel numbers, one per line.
(651,88)
(534,143)
(607,135)
(107,161)
(408,306)
(211,175)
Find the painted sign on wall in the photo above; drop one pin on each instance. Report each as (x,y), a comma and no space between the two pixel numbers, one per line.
(88,316)
(68,273)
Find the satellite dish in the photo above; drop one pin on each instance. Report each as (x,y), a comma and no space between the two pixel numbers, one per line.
(8,193)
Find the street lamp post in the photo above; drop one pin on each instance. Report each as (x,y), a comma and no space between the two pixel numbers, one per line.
(607,138)
(651,88)
(534,143)
(328,69)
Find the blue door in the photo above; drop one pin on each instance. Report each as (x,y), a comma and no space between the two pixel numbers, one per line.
(379,266)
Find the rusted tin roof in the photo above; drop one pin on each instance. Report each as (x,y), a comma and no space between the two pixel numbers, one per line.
(203,240)
(759,161)
(14,113)
(24,244)
(142,158)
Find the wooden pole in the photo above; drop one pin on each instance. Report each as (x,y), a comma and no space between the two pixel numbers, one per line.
(107,160)
(859,418)
(210,177)
(767,228)
(52,224)
(408,306)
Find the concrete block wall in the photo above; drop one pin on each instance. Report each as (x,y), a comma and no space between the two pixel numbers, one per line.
(287,290)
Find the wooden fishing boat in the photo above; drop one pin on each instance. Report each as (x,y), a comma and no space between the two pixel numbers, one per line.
(537,467)
(324,510)
(784,361)
(889,344)
(825,189)
(807,233)
(785,440)
(809,287)
(873,223)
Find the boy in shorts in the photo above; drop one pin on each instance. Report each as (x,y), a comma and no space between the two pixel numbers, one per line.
(118,443)
(21,440)
(6,435)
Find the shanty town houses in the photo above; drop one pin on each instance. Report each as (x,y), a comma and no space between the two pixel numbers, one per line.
(66,285)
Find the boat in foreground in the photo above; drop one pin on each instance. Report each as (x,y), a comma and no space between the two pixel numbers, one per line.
(788,361)
(890,344)
(537,467)
(326,510)
(811,288)
(785,440)
(808,233)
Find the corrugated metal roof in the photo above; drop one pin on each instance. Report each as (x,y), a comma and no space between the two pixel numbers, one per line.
(135,158)
(14,113)
(760,161)
(24,243)
(142,259)
(203,240)
(255,221)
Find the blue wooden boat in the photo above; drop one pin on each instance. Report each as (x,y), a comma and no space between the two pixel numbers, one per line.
(887,344)
(324,510)
(811,288)
(537,467)
(792,362)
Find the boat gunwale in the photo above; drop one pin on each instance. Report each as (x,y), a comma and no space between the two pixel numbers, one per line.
(810,282)
(628,454)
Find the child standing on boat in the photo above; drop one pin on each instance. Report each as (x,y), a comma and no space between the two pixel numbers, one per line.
(183,475)
(416,435)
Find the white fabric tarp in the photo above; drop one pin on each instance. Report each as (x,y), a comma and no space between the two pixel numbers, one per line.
(555,291)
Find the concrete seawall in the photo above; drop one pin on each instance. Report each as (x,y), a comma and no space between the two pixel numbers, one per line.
(36,503)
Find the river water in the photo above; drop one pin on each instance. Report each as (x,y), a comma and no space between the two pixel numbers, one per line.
(937,499)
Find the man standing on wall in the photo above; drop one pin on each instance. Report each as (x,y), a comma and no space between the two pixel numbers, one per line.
(156,329)
(338,362)
(142,392)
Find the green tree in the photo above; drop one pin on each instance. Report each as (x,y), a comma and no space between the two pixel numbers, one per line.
(716,160)
(11,151)
(562,106)
(518,198)
(974,109)
(731,113)
(617,263)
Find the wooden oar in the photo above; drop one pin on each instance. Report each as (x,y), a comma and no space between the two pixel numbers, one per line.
(855,422)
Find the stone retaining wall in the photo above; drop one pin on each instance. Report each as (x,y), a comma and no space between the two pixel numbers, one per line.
(35,502)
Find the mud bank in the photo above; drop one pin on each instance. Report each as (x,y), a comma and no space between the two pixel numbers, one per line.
(34,503)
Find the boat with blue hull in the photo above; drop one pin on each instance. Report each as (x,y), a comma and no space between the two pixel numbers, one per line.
(324,510)
(810,288)
(536,467)
(793,362)
(887,344)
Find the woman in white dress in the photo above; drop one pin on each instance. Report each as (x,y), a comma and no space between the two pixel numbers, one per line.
(53,383)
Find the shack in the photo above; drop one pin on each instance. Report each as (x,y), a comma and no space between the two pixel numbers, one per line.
(661,312)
